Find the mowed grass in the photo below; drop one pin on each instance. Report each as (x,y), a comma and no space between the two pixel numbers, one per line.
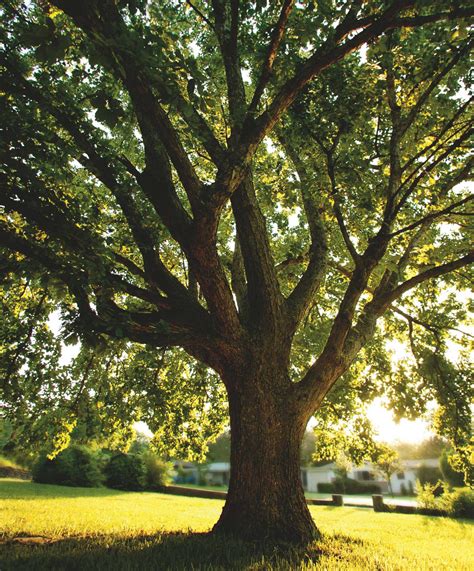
(79,528)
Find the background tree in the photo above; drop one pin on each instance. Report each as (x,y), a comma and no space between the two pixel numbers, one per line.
(219,451)
(432,447)
(255,185)
(450,474)
(387,463)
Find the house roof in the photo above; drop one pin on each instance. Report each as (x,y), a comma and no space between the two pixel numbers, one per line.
(429,462)
(218,467)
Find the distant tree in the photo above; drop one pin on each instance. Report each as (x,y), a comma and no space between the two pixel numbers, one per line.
(429,474)
(387,463)
(450,474)
(308,448)
(343,466)
(429,448)
(140,444)
(219,450)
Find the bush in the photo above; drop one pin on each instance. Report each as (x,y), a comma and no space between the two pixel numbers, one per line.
(458,503)
(157,471)
(126,472)
(75,466)
(461,504)
(428,499)
(348,486)
(324,488)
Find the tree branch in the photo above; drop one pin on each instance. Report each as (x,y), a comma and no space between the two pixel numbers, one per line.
(267,66)
(432,216)
(299,301)
(263,291)
(432,273)
(414,111)
(200,14)
(108,33)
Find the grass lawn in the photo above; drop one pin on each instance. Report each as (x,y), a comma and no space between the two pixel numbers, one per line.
(82,529)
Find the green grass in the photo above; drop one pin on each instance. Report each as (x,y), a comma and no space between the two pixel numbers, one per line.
(105,529)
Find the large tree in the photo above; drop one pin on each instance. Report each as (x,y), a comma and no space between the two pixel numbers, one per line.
(257,183)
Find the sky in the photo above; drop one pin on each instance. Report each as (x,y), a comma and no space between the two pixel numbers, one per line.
(390,431)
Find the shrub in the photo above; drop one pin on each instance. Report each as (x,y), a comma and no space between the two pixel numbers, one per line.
(126,472)
(157,471)
(325,488)
(461,504)
(427,500)
(458,503)
(75,466)
(348,486)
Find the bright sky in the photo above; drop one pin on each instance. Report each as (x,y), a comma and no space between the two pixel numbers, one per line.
(388,430)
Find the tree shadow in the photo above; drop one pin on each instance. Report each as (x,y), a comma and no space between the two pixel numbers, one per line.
(190,551)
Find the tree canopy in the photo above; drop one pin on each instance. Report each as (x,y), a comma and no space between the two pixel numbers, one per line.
(272,190)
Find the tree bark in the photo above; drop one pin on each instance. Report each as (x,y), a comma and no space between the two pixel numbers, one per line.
(266,498)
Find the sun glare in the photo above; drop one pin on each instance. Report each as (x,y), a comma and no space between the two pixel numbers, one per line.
(388,430)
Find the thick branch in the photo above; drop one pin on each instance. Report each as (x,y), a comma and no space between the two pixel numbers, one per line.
(239,285)
(226,26)
(299,301)
(263,291)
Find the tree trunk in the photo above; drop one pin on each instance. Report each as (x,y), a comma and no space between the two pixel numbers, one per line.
(266,498)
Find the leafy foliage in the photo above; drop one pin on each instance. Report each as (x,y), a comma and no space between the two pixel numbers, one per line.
(430,448)
(157,471)
(457,503)
(450,474)
(387,463)
(74,466)
(126,472)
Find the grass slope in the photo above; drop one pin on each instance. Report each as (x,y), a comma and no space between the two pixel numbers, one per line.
(84,529)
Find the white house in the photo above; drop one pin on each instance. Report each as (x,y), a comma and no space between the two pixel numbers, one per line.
(402,482)
(218,473)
